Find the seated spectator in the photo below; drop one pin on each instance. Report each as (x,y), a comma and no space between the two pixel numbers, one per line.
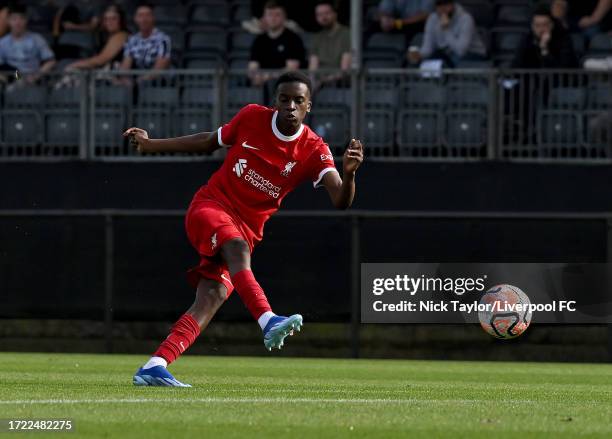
(24,51)
(450,35)
(407,16)
(590,16)
(149,48)
(548,45)
(4,13)
(75,15)
(331,47)
(558,10)
(278,48)
(114,35)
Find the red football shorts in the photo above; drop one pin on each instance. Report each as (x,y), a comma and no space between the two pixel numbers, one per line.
(209,226)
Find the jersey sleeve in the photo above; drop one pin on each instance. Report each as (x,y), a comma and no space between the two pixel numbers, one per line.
(228,133)
(322,163)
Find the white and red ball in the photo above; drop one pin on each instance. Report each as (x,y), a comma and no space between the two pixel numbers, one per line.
(502,320)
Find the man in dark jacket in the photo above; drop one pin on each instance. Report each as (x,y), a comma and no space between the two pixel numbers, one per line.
(547,46)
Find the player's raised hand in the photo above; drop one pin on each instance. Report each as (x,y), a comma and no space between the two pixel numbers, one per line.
(138,138)
(353,156)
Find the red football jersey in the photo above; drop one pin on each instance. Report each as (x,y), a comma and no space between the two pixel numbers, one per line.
(262,166)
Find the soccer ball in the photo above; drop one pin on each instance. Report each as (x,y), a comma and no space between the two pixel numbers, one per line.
(502,319)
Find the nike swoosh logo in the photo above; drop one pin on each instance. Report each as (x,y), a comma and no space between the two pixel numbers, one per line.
(224,277)
(245,145)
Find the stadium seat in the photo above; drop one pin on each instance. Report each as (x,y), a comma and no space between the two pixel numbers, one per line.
(156,122)
(559,128)
(334,126)
(466,128)
(65,97)
(238,97)
(599,97)
(106,125)
(238,62)
(423,94)
(197,62)
(113,96)
(210,13)
(481,11)
(158,96)
(240,13)
(170,14)
(62,128)
(192,120)
(507,40)
(579,43)
(332,97)
(32,96)
(22,127)
(381,62)
(417,40)
(567,98)
(241,42)
(207,40)
(380,98)
(601,44)
(386,43)
(378,128)
(513,15)
(417,129)
(198,97)
(468,95)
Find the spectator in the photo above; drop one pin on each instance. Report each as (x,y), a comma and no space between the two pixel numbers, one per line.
(590,16)
(24,51)
(149,48)
(548,45)
(75,16)
(558,10)
(278,48)
(331,47)
(114,36)
(4,24)
(450,35)
(406,16)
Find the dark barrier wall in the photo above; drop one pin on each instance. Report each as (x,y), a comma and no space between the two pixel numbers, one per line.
(381,186)
(54,267)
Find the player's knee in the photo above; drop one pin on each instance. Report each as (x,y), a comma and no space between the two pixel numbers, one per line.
(235,252)
(218,295)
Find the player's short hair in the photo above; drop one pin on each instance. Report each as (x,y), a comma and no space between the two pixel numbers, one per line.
(330,3)
(293,77)
(273,4)
(542,8)
(16,8)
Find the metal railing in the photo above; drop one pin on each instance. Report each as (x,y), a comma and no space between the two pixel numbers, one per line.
(563,115)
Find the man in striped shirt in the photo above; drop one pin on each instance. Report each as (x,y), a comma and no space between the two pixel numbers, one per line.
(149,48)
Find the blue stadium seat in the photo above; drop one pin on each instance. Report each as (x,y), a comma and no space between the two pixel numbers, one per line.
(158,96)
(198,96)
(514,15)
(108,125)
(568,98)
(423,94)
(31,96)
(22,127)
(333,125)
(156,122)
(420,128)
(170,14)
(64,97)
(466,128)
(579,43)
(332,97)
(62,128)
(203,62)
(384,42)
(239,96)
(207,40)
(481,11)
(378,128)
(192,120)
(380,98)
(557,128)
(210,13)
(601,44)
(241,13)
(83,40)
(242,42)
(113,96)
(468,95)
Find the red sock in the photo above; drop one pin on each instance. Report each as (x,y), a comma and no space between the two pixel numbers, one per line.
(182,335)
(251,293)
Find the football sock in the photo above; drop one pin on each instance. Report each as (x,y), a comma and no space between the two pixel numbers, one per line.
(155,361)
(251,293)
(182,335)
(264,319)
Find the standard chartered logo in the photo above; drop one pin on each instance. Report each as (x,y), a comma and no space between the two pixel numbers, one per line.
(262,183)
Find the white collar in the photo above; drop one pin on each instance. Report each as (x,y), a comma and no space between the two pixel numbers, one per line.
(280,135)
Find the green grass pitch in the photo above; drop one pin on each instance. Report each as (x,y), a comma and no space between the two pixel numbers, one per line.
(304,398)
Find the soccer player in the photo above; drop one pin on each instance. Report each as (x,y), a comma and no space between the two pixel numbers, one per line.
(270,152)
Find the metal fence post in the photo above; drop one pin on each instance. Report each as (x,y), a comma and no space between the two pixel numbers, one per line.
(109,269)
(355,284)
(83,114)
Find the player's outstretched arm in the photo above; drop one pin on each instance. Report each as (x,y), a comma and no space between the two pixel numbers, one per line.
(204,143)
(342,190)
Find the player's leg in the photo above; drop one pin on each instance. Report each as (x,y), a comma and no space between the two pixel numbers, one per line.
(237,256)
(210,295)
